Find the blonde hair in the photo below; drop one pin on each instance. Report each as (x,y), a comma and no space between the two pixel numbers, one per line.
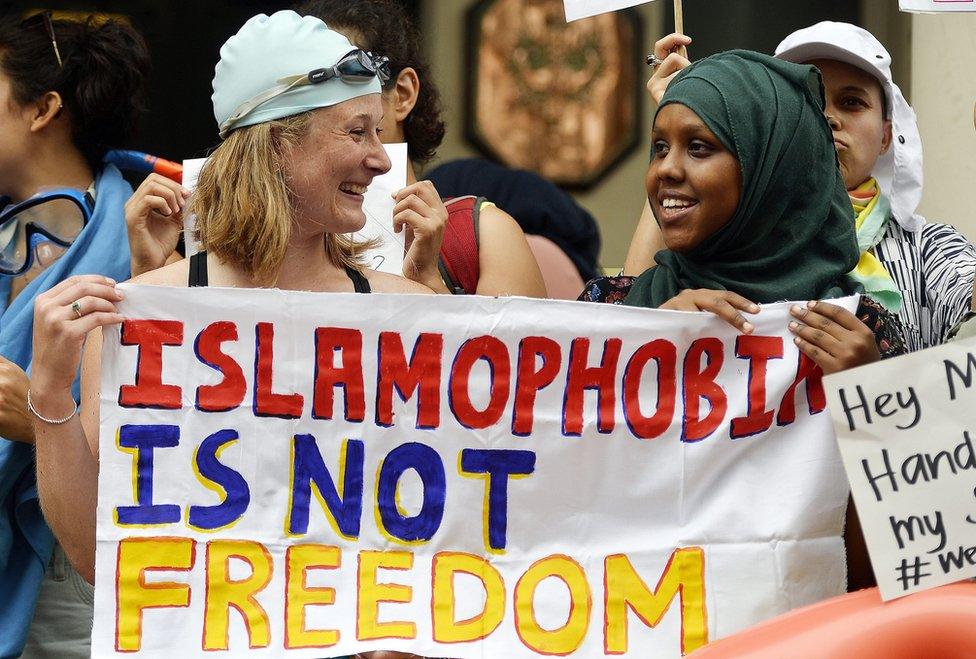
(244,206)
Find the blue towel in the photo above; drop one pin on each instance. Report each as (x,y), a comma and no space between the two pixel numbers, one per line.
(25,540)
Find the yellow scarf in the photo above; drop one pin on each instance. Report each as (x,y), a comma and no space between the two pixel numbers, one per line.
(872,215)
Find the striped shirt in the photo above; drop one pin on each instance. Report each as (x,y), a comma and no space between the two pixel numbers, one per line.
(933,268)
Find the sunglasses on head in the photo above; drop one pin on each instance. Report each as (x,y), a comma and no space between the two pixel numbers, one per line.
(356,67)
(43,19)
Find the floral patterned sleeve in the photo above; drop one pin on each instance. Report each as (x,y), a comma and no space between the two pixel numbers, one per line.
(609,290)
(885,326)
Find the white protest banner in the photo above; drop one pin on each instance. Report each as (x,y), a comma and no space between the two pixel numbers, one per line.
(386,254)
(577,9)
(310,475)
(922,6)
(904,427)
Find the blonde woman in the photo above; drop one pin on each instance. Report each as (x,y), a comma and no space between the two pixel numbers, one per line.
(287,179)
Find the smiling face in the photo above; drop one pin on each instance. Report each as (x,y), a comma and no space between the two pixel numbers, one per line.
(693,182)
(855,111)
(329,170)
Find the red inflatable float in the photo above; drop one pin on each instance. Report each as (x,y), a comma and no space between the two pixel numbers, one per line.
(934,624)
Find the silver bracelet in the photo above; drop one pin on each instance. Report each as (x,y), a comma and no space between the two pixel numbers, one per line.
(53,422)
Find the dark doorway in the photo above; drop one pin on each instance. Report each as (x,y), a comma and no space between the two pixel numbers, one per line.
(753,24)
(184,37)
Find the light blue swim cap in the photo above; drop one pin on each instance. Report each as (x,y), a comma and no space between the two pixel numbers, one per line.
(268,49)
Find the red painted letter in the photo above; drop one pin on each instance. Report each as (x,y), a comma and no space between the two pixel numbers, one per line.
(758,350)
(700,384)
(349,376)
(149,390)
(531,380)
(496,354)
(229,392)
(582,377)
(816,399)
(666,355)
(267,402)
(423,373)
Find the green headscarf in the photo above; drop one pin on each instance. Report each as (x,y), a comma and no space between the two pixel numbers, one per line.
(792,236)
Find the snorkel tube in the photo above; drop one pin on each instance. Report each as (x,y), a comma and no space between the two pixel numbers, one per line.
(143,163)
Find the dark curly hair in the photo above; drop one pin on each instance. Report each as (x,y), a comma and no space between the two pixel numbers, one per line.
(101,80)
(384,28)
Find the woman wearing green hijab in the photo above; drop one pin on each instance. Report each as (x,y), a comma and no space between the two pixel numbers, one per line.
(745,186)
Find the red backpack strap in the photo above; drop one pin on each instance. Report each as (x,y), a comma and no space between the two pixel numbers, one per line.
(458,261)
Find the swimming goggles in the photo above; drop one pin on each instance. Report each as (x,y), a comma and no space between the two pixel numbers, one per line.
(356,66)
(56,216)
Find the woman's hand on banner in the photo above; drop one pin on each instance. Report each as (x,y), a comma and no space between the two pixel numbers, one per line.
(15,423)
(667,52)
(419,208)
(833,337)
(154,220)
(725,304)
(63,317)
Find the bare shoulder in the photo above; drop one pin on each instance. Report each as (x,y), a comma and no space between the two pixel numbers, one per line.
(174,274)
(508,266)
(497,225)
(382,282)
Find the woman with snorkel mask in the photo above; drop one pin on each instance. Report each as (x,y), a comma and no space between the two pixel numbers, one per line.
(69,90)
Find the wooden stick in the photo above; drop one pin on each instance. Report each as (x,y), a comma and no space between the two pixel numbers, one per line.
(679,25)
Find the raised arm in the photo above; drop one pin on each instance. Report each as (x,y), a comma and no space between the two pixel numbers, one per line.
(506,263)
(154,221)
(647,242)
(66,442)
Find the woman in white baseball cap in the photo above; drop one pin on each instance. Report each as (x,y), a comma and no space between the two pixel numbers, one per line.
(922,271)
(299,109)
(929,266)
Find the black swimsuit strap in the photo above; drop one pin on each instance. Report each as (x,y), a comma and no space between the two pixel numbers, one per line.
(198,270)
(198,274)
(359,281)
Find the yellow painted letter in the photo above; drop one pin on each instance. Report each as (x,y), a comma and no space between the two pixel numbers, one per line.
(446,630)
(684,576)
(299,559)
(368,626)
(569,637)
(133,595)
(223,593)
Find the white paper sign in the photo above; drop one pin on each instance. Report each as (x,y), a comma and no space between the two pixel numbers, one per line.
(920,6)
(387,255)
(191,174)
(378,205)
(576,9)
(907,432)
(314,475)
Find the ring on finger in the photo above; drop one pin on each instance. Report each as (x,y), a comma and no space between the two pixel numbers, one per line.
(653,61)
(76,307)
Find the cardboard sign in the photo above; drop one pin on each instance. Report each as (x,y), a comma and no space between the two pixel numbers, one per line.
(576,9)
(922,6)
(907,433)
(386,254)
(312,475)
